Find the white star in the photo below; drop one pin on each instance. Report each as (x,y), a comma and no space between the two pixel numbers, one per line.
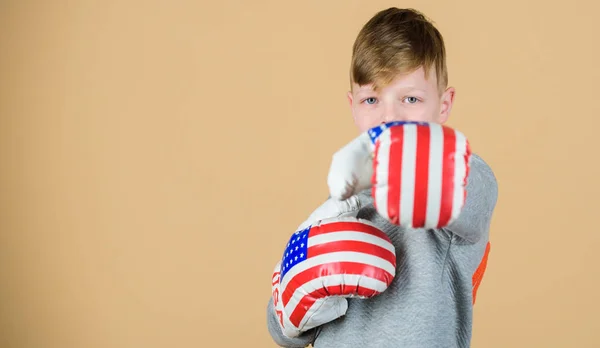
(302,245)
(293,241)
(302,255)
(298,239)
(296,258)
(296,248)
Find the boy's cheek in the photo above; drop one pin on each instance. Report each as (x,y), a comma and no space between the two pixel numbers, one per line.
(421,113)
(366,123)
(366,118)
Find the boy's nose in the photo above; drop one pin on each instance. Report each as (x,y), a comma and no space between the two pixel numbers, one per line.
(390,115)
(387,114)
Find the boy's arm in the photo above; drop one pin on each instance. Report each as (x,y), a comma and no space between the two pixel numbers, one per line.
(482,193)
(301,341)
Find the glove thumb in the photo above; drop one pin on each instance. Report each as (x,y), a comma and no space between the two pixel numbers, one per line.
(351,168)
(332,208)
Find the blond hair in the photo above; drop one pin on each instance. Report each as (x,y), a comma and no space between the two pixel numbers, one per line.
(397,41)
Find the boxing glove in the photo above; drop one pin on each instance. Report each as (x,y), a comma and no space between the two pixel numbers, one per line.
(417,172)
(326,263)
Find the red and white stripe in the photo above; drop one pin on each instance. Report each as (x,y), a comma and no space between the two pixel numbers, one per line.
(420,174)
(345,258)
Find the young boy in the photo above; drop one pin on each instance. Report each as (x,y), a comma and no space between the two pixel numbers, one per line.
(398,73)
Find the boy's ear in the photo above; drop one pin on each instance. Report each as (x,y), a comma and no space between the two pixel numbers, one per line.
(350,97)
(446,104)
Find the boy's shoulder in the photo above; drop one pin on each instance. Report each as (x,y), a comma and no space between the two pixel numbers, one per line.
(482,167)
(482,184)
(473,222)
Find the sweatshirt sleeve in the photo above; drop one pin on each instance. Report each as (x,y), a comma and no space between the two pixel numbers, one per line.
(482,193)
(301,341)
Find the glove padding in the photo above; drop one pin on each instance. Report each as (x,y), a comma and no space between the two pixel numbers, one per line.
(417,171)
(333,208)
(326,263)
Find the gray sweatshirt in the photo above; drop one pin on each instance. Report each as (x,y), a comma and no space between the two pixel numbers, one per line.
(430,301)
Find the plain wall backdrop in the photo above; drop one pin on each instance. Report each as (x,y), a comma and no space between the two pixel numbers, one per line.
(156,156)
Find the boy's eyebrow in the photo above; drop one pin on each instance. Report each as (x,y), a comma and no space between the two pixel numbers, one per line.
(363,90)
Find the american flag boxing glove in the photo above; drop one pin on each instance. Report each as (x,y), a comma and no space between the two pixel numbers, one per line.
(417,172)
(324,264)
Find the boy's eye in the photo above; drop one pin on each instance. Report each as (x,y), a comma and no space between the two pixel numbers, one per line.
(412,100)
(371,100)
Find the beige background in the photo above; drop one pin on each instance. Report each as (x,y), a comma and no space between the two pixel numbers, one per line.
(149,155)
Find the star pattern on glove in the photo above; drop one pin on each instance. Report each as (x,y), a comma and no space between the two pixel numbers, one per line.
(296,250)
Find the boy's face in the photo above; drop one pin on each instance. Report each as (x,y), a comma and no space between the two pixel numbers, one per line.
(409,97)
